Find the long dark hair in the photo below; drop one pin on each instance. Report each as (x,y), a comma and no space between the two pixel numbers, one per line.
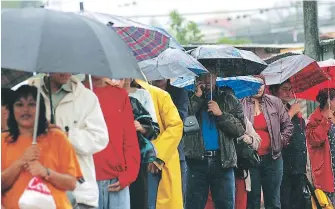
(24,92)
(322,96)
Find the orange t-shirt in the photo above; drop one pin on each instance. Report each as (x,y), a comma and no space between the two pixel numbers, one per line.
(262,129)
(56,154)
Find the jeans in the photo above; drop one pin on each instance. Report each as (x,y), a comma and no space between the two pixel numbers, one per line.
(268,176)
(82,206)
(206,174)
(153,183)
(113,200)
(139,189)
(183,169)
(291,191)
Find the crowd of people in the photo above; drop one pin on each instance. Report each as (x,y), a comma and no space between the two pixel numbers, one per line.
(123,144)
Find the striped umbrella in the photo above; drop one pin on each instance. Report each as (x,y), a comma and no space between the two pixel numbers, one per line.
(145,41)
(243,86)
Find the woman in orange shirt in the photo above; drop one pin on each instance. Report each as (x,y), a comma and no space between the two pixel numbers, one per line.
(53,159)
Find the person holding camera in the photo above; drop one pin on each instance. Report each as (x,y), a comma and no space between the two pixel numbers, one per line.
(211,155)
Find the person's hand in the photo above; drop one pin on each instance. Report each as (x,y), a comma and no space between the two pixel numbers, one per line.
(295,109)
(199,92)
(246,138)
(214,108)
(30,154)
(114,82)
(115,187)
(331,115)
(139,127)
(50,126)
(35,168)
(152,168)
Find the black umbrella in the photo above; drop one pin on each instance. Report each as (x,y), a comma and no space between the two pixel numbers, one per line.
(228,61)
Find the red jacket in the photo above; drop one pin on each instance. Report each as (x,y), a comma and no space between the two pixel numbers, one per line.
(319,151)
(121,158)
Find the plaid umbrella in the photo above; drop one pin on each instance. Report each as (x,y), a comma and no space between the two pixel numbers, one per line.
(145,41)
(228,61)
(173,42)
(303,72)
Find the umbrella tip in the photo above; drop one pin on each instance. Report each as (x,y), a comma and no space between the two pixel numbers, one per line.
(110,23)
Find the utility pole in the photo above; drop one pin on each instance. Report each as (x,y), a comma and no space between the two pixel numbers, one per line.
(81,6)
(311,29)
(312,42)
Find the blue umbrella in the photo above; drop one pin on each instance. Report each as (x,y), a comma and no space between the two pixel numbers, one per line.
(243,86)
(172,63)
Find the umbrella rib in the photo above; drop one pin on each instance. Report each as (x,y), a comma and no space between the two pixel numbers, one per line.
(87,21)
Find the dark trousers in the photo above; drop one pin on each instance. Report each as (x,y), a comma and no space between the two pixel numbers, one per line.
(291,191)
(206,174)
(139,189)
(267,176)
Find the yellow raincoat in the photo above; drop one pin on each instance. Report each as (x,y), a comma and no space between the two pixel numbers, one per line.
(171,128)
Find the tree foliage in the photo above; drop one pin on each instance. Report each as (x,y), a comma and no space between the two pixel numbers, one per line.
(225,40)
(184,31)
(21,4)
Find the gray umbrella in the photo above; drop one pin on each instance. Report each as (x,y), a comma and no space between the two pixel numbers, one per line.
(42,40)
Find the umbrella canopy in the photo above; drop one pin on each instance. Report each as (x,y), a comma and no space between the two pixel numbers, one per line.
(145,41)
(42,40)
(303,72)
(173,42)
(228,61)
(328,66)
(171,63)
(10,78)
(274,58)
(243,86)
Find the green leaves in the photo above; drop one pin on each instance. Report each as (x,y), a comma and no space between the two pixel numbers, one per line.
(185,32)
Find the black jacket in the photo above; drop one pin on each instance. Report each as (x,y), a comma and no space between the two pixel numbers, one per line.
(179,97)
(295,154)
(148,152)
(230,126)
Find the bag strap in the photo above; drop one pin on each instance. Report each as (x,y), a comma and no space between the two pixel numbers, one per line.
(312,190)
(190,107)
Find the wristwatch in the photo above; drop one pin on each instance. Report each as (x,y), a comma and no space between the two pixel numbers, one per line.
(48,174)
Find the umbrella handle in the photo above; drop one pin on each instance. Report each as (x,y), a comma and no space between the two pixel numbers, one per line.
(52,116)
(211,82)
(37,112)
(295,97)
(90,82)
